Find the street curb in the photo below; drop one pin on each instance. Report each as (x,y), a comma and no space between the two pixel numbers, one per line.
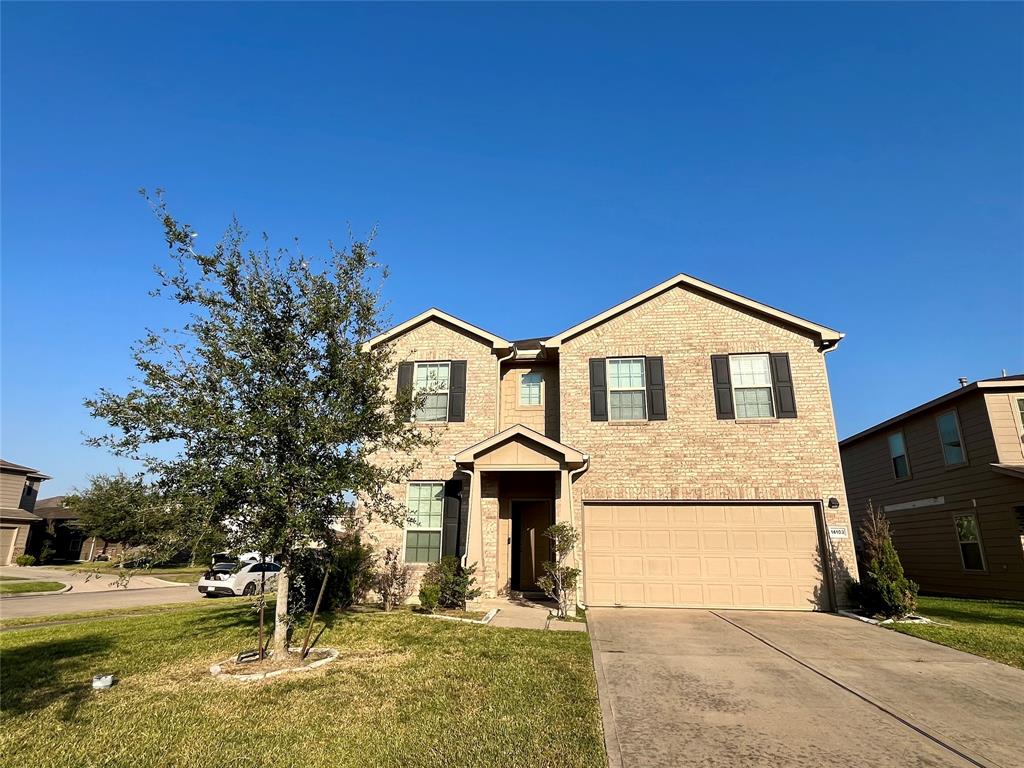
(67,588)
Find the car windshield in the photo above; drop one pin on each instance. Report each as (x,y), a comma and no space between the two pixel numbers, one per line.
(227,567)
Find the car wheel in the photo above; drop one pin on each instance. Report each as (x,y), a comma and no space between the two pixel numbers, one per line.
(250,589)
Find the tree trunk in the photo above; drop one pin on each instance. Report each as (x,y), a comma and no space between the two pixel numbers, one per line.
(281,612)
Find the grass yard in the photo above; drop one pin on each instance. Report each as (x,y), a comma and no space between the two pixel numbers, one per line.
(16,586)
(990,628)
(407,691)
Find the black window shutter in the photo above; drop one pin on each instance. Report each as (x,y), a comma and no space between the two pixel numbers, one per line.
(405,384)
(598,390)
(656,407)
(723,387)
(457,391)
(453,526)
(782,385)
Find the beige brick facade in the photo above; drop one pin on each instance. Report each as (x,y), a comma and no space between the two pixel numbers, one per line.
(691,456)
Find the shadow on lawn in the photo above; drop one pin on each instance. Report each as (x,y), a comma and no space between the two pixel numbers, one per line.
(36,675)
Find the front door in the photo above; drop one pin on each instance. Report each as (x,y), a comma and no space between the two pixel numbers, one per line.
(530,547)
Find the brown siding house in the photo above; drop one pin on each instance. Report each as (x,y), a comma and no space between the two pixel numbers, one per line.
(949,476)
(19,490)
(687,433)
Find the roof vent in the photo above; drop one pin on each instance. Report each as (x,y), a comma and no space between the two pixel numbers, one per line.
(963,381)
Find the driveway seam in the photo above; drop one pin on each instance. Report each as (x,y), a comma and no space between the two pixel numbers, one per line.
(612,748)
(903,719)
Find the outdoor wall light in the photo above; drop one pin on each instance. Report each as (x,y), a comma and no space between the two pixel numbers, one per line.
(833,503)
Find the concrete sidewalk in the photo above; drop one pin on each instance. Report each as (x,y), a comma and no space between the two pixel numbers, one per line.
(526,614)
(86,581)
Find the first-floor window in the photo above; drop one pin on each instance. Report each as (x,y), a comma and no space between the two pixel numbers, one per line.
(751,386)
(431,381)
(627,392)
(970,543)
(423,532)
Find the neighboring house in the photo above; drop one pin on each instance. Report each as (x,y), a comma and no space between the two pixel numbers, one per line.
(19,489)
(949,476)
(69,542)
(687,433)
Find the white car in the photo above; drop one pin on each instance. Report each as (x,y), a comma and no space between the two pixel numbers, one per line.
(238,579)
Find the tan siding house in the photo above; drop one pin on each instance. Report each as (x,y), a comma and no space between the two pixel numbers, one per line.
(687,433)
(19,490)
(949,476)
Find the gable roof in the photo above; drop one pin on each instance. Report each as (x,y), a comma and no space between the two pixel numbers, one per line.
(1003,382)
(827,337)
(10,466)
(567,453)
(434,313)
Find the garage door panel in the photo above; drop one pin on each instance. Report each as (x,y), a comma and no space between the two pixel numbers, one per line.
(693,555)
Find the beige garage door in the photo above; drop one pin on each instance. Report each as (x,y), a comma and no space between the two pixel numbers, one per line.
(7,536)
(703,556)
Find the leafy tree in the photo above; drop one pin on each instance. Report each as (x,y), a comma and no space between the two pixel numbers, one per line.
(267,403)
(121,509)
(559,580)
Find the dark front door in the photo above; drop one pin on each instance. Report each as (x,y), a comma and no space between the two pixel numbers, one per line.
(530,547)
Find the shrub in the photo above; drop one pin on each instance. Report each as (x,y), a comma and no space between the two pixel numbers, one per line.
(24,560)
(430,594)
(884,589)
(351,575)
(559,581)
(46,552)
(392,580)
(455,583)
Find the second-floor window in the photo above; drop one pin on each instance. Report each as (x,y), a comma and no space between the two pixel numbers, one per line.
(952,442)
(530,388)
(627,389)
(751,386)
(970,543)
(898,456)
(431,380)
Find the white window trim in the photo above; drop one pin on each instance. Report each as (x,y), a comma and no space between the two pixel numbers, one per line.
(959,544)
(959,436)
(435,391)
(735,389)
(1020,413)
(539,404)
(906,455)
(643,389)
(419,528)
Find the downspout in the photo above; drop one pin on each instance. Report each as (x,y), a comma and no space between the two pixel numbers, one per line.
(572,474)
(469,512)
(497,391)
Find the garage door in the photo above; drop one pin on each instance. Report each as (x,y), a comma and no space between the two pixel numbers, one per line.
(703,556)
(7,536)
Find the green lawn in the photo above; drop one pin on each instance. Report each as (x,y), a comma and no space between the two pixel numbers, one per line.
(17,586)
(408,691)
(990,628)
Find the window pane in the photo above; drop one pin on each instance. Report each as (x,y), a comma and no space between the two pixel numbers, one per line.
(426,504)
(529,389)
(1020,407)
(628,406)
(896,445)
(626,373)
(952,450)
(973,560)
(432,377)
(967,529)
(900,467)
(754,403)
(422,546)
(435,408)
(749,371)
(898,454)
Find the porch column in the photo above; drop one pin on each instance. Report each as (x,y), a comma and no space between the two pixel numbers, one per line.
(475,534)
(562,512)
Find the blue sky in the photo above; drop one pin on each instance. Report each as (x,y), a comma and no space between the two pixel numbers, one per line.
(861,165)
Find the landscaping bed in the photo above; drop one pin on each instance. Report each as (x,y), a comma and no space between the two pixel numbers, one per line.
(402,692)
(990,628)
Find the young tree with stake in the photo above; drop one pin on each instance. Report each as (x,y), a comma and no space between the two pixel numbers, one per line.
(267,400)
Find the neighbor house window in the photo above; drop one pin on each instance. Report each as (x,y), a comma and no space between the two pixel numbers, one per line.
(952,442)
(970,543)
(431,379)
(898,456)
(423,532)
(529,388)
(751,386)
(627,394)
(1020,411)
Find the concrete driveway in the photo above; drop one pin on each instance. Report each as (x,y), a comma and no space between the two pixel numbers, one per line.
(730,688)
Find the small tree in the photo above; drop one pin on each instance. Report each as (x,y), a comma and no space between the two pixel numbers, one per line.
(393,580)
(267,403)
(559,581)
(884,589)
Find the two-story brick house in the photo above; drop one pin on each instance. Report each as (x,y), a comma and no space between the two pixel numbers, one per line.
(687,433)
(949,477)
